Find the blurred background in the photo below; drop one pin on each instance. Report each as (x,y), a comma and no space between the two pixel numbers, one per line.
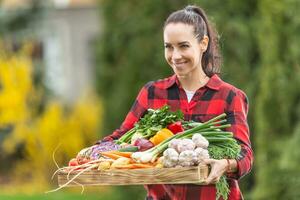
(71,69)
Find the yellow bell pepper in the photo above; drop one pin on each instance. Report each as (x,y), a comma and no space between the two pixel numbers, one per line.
(161,136)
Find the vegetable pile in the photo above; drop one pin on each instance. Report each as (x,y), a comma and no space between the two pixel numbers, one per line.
(161,139)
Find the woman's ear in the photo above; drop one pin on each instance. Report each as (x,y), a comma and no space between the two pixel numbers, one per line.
(204,43)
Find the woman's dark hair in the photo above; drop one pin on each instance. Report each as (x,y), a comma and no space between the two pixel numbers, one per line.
(195,16)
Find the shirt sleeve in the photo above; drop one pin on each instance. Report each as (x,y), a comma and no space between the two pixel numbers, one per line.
(137,110)
(237,117)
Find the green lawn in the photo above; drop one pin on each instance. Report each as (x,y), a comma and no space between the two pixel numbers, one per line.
(115,193)
(55,196)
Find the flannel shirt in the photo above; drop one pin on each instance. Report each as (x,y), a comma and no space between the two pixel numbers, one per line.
(215,98)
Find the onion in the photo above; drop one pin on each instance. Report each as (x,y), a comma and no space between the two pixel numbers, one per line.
(143,144)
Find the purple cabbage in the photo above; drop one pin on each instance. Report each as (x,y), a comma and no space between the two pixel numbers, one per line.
(102,147)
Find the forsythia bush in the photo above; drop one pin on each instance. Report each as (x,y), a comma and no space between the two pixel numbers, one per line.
(67,128)
(15,88)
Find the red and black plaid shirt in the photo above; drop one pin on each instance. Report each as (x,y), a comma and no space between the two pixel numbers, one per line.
(215,98)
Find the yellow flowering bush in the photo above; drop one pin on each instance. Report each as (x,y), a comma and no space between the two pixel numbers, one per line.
(67,128)
(15,87)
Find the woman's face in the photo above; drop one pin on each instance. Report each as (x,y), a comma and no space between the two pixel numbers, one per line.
(183,51)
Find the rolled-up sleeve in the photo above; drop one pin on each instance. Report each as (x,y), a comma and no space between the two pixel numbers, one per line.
(237,116)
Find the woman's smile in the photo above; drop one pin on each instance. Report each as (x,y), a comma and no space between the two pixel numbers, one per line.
(180,65)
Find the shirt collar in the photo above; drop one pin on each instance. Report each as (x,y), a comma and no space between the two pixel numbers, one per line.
(171,81)
(213,83)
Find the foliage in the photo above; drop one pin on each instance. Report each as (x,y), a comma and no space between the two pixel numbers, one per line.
(34,134)
(277,105)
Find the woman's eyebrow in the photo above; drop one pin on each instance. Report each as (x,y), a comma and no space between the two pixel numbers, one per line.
(184,42)
(179,43)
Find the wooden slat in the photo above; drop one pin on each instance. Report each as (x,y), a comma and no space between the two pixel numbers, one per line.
(137,176)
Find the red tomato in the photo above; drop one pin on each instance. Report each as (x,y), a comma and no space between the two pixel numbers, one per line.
(73,162)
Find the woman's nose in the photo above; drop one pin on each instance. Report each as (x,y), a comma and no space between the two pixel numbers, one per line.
(176,55)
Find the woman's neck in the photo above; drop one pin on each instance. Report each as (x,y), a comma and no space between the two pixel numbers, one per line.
(193,81)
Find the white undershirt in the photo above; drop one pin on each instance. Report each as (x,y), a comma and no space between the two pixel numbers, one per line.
(189,94)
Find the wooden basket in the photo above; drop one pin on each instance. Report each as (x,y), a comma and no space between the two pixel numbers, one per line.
(180,175)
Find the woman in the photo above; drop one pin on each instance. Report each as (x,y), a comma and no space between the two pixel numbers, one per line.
(191,50)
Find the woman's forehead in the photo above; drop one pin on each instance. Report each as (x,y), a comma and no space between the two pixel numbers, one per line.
(174,33)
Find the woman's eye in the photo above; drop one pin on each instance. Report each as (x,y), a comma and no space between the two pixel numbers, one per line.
(168,46)
(184,46)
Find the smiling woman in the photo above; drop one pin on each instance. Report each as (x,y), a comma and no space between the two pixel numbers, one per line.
(191,50)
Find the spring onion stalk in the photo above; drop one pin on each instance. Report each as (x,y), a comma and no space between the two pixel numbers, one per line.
(194,124)
(126,137)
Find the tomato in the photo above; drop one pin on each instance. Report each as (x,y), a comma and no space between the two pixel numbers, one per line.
(73,162)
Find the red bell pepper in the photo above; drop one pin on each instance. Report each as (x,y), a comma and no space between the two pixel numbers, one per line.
(175,127)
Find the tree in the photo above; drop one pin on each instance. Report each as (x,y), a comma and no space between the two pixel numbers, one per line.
(277,103)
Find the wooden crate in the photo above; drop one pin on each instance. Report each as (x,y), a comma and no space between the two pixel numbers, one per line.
(180,175)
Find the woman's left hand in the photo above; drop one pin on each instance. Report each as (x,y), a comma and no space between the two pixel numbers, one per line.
(218,168)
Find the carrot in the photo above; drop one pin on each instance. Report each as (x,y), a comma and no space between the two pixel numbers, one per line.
(123,154)
(111,155)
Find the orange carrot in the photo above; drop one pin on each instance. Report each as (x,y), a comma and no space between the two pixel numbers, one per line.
(111,155)
(124,154)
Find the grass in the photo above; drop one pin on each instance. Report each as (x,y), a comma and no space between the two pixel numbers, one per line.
(112,193)
(56,196)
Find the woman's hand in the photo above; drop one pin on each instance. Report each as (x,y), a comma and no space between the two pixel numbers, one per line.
(218,168)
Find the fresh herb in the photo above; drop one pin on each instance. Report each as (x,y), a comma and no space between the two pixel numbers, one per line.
(152,122)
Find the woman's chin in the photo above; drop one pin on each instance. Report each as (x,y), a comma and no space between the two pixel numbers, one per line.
(180,74)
